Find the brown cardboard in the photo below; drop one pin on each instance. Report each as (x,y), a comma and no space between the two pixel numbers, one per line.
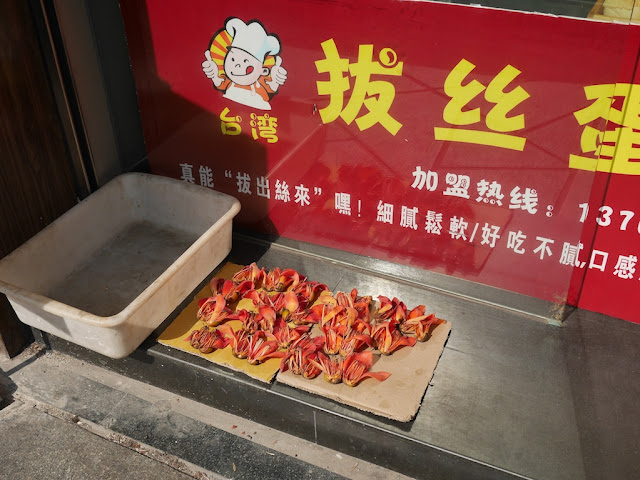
(399,396)
(175,336)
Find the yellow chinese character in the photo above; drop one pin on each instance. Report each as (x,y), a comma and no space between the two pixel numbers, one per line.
(377,96)
(612,149)
(264,126)
(496,118)
(230,125)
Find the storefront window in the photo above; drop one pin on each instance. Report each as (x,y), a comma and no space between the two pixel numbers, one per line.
(607,10)
(467,141)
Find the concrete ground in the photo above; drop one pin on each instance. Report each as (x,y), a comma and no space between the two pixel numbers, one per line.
(66,419)
(39,444)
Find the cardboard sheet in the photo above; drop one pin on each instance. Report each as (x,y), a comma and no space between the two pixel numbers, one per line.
(176,334)
(399,396)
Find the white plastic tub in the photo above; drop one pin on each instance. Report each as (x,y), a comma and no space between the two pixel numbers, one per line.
(110,270)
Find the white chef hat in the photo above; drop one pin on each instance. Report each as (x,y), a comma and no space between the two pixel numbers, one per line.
(252,38)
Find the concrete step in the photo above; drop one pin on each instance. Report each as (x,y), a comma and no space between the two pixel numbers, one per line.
(42,441)
(209,443)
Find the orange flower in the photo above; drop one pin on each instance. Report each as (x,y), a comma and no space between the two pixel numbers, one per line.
(362,305)
(291,279)
(355,368)
(220,286)
(242,288)
(309,290)
(332,338)
(313,315)
(388,338)
(252,273)
(278,280)
(391,309)
(332,369)
(353,341)
(259,297)
(386,308)
(331,316)
(286,335)
(310,370)
(213,311)
(228,289)
(250,320)
(299,355)
(288,305)
(306,341)
(420,324)
(271,280)
(263,346)
(238,339)
(207,340)
(266,318)
(344,299)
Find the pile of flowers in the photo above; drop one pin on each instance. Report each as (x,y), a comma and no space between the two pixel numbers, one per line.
(286,305)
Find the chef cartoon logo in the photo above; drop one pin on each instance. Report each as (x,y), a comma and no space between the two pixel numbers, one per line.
(243,62)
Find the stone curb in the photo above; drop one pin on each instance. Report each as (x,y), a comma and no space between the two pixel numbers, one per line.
(148,451)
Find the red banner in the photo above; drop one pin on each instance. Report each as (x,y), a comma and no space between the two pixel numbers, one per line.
(468,141)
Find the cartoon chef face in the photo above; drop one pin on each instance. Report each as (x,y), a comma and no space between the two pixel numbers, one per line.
(243,68)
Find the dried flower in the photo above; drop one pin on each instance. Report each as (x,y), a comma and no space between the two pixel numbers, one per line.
(332,368)
(213,311)
(207,340)
(388,338)
(263,346)
(355,368)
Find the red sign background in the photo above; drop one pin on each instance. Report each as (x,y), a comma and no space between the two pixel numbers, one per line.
(557,58)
